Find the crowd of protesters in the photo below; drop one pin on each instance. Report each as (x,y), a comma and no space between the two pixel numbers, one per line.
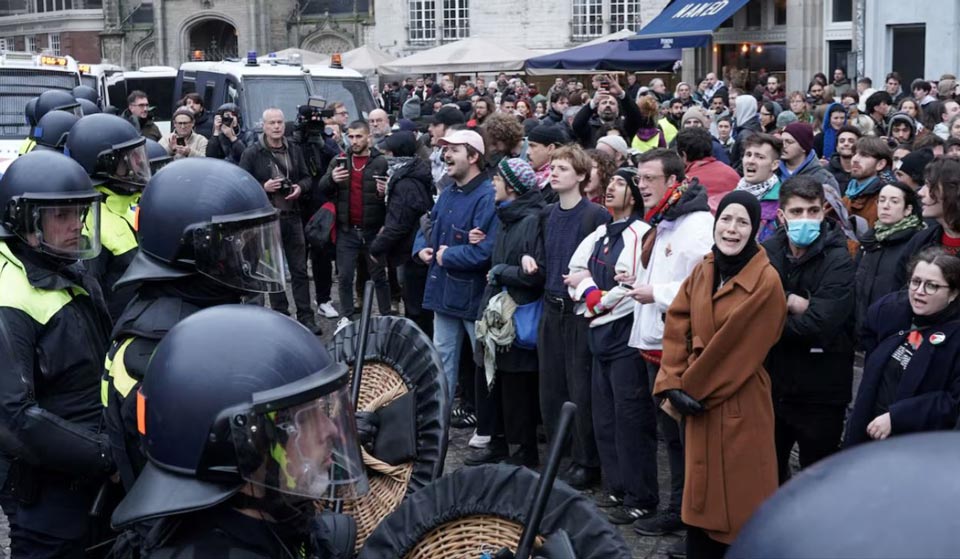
(699,265)
(708,262)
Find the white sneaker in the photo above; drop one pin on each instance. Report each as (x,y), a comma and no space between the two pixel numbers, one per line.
(479,441)
(341,324)
(327,310)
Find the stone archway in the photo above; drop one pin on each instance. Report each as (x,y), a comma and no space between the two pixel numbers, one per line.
(145,54)
(327,43)
(214,37)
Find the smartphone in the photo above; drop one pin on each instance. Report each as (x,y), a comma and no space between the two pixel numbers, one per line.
(341,161)
(181,141)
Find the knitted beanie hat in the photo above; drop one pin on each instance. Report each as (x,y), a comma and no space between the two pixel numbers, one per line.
(518,174)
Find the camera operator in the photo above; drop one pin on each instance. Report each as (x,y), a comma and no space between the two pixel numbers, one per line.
(315,139)
(229,139)
(279,167)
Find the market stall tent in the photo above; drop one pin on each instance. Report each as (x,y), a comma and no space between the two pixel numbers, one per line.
(464,56)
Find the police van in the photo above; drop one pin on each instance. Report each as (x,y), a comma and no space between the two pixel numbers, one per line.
(96,76)
(23,76)
(156,81)
(258,84)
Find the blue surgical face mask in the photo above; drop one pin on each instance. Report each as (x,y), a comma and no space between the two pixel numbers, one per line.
(803,232)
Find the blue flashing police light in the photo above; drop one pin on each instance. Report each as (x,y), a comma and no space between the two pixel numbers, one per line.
(251,58)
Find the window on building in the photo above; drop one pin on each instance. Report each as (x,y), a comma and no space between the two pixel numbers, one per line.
(55,5)
(5,44)
(14,7)
(456,19)
(30,44)
(422,27)
(587,19)
(624,14)
(842,10)
(53,43)
(780,12)
(754,11)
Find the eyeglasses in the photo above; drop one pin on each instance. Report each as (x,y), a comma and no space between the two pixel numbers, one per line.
(342,113)
(647,179)
(183,122)
(929,287)
(141,104)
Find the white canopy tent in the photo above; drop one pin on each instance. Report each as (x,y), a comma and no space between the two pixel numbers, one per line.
(465,56)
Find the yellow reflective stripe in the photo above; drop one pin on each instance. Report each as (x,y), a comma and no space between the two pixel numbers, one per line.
(17,293)
(279,455)
(115,234)
(27,146)
(121,205)
(121,379)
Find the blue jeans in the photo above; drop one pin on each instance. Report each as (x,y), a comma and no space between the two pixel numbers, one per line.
(447,338)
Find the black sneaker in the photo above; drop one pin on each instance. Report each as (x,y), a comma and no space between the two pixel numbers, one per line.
(495,452)
(462,419)
(608,500)
(628,515)
(664,522)
(524,457)
(678,550)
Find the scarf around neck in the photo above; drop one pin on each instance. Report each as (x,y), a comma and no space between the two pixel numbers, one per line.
(883,232)
(856,188)
(761,189)
(670,199)
(787,173)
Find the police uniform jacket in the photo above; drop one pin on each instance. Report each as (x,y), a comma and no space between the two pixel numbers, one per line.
(54,331)
(119,240)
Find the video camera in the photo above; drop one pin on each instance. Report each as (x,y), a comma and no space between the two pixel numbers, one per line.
(309,126)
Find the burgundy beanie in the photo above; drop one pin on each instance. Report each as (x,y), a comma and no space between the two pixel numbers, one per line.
(802,133)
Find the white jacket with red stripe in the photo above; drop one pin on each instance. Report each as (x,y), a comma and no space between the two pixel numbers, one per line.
(615,303)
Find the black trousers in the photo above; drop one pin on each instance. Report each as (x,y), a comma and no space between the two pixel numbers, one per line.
(509,409)
(673,439)
(321,259)
(56,525)
(487,405)
(352,246)
(295,253)
(626,429)
(565,372)
(702,546)
(816,429)
(413,284)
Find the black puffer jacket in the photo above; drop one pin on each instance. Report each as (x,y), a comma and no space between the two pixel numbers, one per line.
(410,196)
(517,230)
(836,169)
(924,239)
(374,210)
(813,361)
(877,268)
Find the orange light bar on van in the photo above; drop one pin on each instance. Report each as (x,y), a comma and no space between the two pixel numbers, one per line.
(53,61)
(197,55)
(336,60)
(84,68)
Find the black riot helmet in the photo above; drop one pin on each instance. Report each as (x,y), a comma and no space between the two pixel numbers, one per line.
(157,155)
(51,132)
(210,217)
(889,498)
(270,407)
(58,215)
(110,149)
(88,107)
(56,100)
(86,92)
(30,112)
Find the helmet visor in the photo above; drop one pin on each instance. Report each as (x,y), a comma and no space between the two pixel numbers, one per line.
(245,253)
(128,164)
(308,450)
(68,229)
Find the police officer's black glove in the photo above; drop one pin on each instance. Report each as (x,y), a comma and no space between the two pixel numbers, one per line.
(368,424)
(683,402)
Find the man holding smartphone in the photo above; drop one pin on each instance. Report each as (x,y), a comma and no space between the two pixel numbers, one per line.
(351,184)
(182,142)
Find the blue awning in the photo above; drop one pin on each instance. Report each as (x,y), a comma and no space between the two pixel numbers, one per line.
(612,55)
(685,24)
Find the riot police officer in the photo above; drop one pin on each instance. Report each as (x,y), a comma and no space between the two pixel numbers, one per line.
(112,152)
(51,132)
(86,92)
(246,420)
(195,252)
(54,331)
(157,155)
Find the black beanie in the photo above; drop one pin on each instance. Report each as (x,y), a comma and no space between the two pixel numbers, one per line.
(547,134)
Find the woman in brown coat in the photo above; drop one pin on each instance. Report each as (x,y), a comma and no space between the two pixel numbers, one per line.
(712,378)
